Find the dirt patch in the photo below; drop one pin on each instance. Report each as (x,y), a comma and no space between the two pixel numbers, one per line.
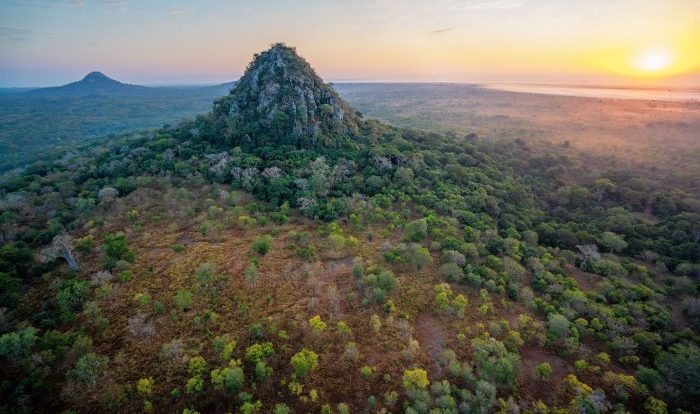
(542,390)
(586,281)
(432,336)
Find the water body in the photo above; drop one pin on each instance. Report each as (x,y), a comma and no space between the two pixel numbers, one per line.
(591,91)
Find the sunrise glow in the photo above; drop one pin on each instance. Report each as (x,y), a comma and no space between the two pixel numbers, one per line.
(410,40)
(654,60)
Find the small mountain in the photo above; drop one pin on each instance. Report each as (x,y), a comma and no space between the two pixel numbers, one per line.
(281,100)
(94,83)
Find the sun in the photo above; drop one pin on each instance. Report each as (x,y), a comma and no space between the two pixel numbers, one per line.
(654,61)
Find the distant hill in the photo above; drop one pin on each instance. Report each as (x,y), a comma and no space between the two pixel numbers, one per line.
(94,83)
(38,121)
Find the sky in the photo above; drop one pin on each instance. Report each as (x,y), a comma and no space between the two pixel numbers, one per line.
(51,42)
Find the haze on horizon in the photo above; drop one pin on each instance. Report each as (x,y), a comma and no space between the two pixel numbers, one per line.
(49,42)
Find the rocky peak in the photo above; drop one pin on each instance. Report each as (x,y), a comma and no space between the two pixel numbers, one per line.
(281,99)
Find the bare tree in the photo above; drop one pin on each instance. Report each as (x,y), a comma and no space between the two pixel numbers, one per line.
(61,246)
(589,252)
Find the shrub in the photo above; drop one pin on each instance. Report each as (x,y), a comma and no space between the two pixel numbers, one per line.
(451,272)
(343,328)
(195,385)
(303,362)
(580,365)
(72,295)
(680,367)
(205,275)
(183,299)
(375,322)
(260,351)
(231,378)
(224,346)
(85,244)
(197,365)
(415,379)
(558,326)
(261,245)
(418,256)
(262,371)
(282,409)
(15,345)
(603,358)
(416,230)
(357,269)
(544,371)
(655,406)
(88,369)
(343,408)
(367,371)
(116,249)
(145,386)
(495,362)
(317,324)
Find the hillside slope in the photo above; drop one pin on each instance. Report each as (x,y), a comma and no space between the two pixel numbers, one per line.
(382,270)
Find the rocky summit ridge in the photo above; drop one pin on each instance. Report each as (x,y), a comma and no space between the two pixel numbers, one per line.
(280,99)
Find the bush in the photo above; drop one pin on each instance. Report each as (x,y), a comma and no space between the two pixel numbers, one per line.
(495,362)
(195,385)
(417,230)
(183,299)
(544,371)
(680,367)
(224,346)
(231,378)
(655,406)
(85,244)
(303,362)
(558,326)
(261,245)
(72,295)
(343,328)
(116,249)
(145,387)
(15,345)
(451,272)
(282,409)
(260,351)
(88,369)
(317,324)
(415,379)
(197,365)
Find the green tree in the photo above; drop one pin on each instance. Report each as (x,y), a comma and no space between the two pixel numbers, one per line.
(88,369)
(612,241)
(15,345)
(417,230)
(415,379)
(495,362)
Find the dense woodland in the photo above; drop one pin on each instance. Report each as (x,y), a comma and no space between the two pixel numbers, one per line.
(262,260)
(35,124)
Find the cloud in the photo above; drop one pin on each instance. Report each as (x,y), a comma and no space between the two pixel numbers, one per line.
(14,34)
(441,31)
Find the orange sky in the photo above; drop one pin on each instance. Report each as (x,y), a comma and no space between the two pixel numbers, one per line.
(628,41)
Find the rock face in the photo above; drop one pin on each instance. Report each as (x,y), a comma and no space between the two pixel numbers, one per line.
(280,99)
